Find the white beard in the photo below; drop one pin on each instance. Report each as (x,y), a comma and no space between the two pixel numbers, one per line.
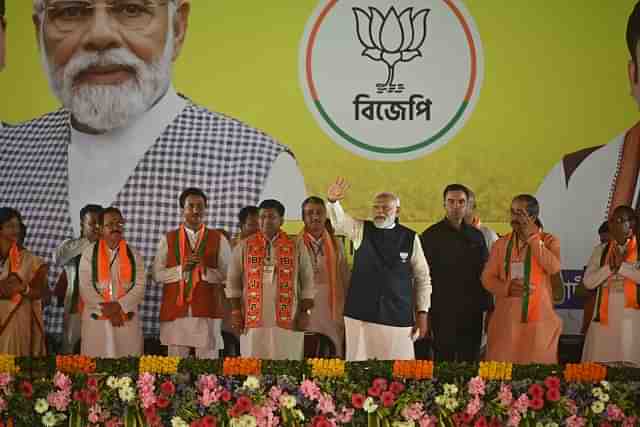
(107,107)
(387,223)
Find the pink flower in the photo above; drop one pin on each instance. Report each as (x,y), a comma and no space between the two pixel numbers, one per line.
(92,383)
(5,379)
(59,400)
(167,388)
(207,382)
(163,402)
(357,400)
(505,396)
(275,393)
(345,415)
(522,404)
(225,395)
(310,389)
(536,403)
(26,388)
(552,382)
(553,394)
(326,405)
(62,381)
(466,418)
(380,383)
(605,424)
(629,422)
(94,415)
(481,422)
(536,391)
(195,423)
(514,419)
(208,421)
(474,406)
(413,412)
(575,421)
(387,398)
(91,397)
(209,397)
(3,404)
(495,422)
(320,421)
(374,391)
(614,413)
(114,422)
(572,407)
(476,386)
(396,387)
(428,421)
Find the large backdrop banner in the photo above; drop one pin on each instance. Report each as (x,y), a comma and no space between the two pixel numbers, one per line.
(405,96)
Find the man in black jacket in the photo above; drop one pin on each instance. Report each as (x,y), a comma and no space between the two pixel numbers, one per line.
(456,253)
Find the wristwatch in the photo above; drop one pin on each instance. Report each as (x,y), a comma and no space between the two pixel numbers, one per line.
(308,311)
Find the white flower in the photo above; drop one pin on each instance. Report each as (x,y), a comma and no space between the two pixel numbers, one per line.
(539,424)
(369,406)
(41,406)
(124,382)
(605,385)
(252,383)
(112,382)
(403,424)
(178,422)
(244,421)
(604,397)
(450,389)
(597,391)
(288,401)
(552,425)
(451,403)
(597,407)
(49,419)
(126,394)
(440,399)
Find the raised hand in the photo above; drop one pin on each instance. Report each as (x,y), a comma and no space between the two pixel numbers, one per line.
(337,190)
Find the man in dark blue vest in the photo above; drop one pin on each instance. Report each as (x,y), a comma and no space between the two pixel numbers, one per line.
(389,295)
(456,252)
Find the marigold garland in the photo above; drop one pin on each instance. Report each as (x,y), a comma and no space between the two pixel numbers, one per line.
(71,364)
(326,367)
(241,366)
(491,370)
(413,369)
(8,364)
(159,364)
(585,372)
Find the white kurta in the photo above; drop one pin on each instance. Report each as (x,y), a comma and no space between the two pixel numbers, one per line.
(619,340)
(366,340)
(99,337)
(321,317)
(270,341)
(203,334)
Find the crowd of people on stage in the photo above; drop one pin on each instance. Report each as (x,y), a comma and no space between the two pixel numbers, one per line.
(269,287)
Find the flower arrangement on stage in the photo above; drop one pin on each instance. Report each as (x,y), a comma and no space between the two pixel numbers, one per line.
(156,391)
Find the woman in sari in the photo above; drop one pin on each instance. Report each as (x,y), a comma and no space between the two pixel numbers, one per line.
(23,279)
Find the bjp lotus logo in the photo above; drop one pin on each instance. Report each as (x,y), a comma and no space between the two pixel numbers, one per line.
(391,38)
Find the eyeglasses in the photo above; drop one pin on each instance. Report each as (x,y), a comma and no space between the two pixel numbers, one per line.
(74,15)
(621,219)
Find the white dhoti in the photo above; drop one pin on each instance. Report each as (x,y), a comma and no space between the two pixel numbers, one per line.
(202,333)
(366,340)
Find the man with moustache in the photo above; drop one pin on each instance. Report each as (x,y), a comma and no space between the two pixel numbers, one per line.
(330,272)
(191,264)
(112,285)
(524,327)
(248,220)
(271,289)
(456,253)
(67,291)
(124,137)
(389,293)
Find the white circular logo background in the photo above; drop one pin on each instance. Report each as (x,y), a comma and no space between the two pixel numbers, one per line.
(391,80)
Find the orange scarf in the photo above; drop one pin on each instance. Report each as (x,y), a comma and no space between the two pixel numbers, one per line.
(630,287)
(189,285)
(102,265)
(533,275)
(14,267)
(285,272)
(331,263)
(475,222)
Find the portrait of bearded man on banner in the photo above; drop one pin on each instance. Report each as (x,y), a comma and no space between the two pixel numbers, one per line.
(124,136)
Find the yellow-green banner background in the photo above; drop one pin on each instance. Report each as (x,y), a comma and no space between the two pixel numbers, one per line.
(555,80)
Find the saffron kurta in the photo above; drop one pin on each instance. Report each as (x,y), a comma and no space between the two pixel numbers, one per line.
(619,339)
(99,337)
(509,338)
(21,324)
(202,333)
(270,341)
